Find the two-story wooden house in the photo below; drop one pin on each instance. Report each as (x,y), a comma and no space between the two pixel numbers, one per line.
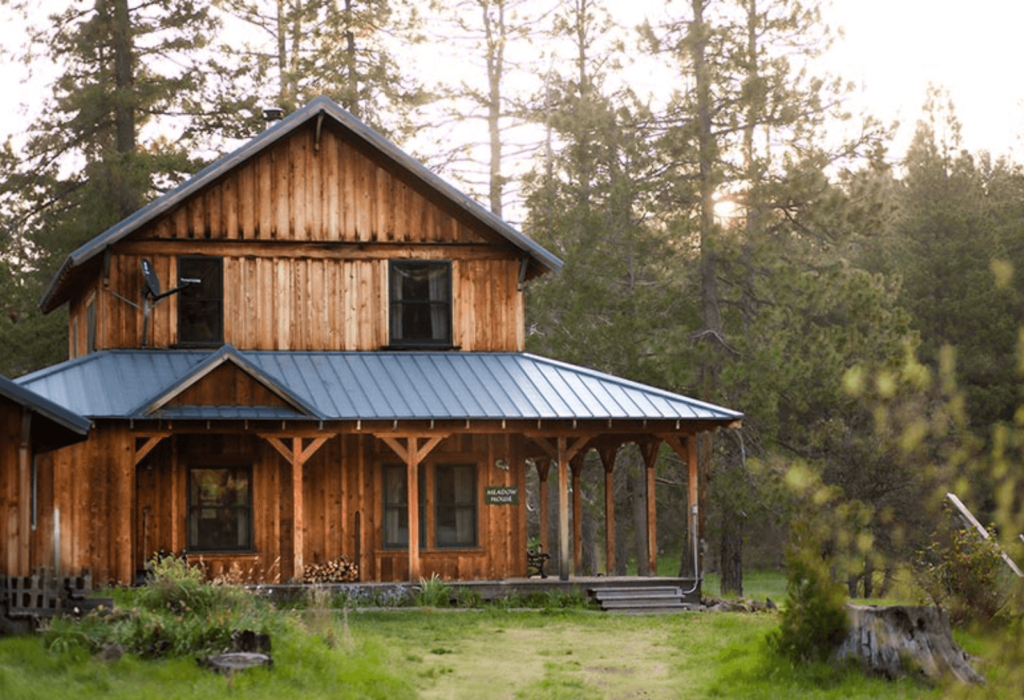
(314,348)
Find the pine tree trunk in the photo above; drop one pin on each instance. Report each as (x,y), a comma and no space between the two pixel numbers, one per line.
(732,555)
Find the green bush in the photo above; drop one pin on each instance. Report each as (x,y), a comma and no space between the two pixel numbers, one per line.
(177,613)
(433,593)
(963,573)
(814,621)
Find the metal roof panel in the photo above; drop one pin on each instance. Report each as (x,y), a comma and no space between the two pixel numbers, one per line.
(373,386)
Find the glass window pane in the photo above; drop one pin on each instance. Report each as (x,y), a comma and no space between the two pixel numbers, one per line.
(201,300)
(420,304)
(455,522)
(220,509)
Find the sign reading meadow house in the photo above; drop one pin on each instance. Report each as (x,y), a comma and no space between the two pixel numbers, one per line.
(502,495)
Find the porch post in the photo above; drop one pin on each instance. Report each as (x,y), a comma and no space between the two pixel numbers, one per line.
(563,511)
(650,453)
(608,461)
(24,498)
(298,542)
(413,502)
(543,466)
(577,514)
(692,495)
(413,454)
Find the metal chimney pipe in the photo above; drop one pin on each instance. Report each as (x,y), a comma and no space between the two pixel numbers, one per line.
(272,114)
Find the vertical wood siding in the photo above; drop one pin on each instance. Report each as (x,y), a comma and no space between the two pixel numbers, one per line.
(111,534)
(305,235)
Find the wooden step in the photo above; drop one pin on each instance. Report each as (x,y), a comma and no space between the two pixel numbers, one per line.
(635,591)
(641,599)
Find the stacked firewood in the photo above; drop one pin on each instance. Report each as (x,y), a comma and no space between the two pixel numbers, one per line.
(335,571)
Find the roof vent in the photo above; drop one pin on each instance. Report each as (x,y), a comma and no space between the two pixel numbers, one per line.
(272,114)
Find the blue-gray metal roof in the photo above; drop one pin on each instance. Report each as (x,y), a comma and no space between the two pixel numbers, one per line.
(56,425)
(365,386)
(53,296)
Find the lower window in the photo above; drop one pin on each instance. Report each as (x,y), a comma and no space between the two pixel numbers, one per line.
(455,503)
(220,509)
(455,508)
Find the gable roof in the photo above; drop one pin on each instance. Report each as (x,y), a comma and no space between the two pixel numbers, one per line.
(163,404)
(57,426)
(370,386)
(56,293)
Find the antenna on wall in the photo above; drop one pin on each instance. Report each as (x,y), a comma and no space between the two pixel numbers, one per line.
(151,294)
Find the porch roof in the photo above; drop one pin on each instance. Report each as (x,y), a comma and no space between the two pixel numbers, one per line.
(56,426)
(139,384)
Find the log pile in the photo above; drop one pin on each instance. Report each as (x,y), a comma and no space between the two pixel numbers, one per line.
(339,570)
(900,640)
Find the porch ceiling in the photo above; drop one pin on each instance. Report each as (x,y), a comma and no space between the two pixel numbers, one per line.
(372,386)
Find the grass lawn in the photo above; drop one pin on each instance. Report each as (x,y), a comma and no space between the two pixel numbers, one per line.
(445,653)
(579,655)
(493,652)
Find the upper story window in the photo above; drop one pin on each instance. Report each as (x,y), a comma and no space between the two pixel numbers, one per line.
(201,302)
(420,293)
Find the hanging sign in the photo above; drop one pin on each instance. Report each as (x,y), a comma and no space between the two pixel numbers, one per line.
(501,495)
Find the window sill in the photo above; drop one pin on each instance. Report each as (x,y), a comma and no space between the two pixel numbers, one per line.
(420,347)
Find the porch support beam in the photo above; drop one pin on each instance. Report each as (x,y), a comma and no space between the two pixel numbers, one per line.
(562,452)
(24,500)
(412,453)
(543,466)
(297,455)
(607,455)
(649,450)
(686,449)
(563,510)
(577,512)
(151,441)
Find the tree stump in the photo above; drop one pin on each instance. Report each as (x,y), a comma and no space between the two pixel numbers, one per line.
(900,640)
(234,661)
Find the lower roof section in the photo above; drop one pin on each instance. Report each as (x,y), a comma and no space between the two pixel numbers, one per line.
(53,425)
(330,386)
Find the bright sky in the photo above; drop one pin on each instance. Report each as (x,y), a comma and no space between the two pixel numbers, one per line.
(892,50)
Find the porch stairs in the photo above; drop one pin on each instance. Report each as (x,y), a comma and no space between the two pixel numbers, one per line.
(641,599)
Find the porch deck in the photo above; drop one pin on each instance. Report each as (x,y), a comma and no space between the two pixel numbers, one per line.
(489,590)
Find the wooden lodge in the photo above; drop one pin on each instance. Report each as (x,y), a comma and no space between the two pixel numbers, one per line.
(314,350)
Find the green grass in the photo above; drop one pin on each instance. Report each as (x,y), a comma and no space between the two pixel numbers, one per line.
(756,586)
(304,667)
(490,652)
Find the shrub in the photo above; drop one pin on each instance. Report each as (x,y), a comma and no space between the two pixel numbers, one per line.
(177,613)
(433,593)
(814,621)
(963,573)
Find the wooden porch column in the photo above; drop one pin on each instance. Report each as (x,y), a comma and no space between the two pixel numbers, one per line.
(563,511)
(124,553)
(607,456)
(562,452)
(577,513)
(543,466)
(24,492)
(412,454)
(686,449)
(650,453)
(297,455)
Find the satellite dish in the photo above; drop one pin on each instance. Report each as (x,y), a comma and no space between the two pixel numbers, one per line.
(152,281)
